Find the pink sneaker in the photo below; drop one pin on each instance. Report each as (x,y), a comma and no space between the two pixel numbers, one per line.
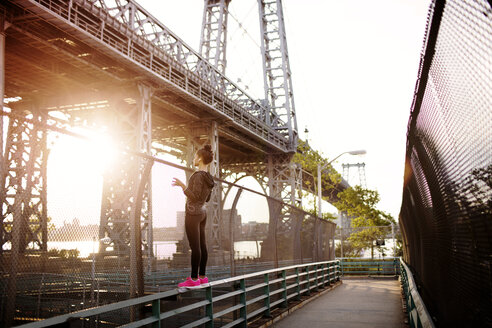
(190,283)
(203,281)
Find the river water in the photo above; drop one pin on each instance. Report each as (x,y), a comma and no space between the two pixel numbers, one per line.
(162,249)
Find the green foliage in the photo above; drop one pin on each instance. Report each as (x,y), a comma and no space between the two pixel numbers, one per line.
(324,216)
(360,203)
(399,245)
(367,221)
(309,159)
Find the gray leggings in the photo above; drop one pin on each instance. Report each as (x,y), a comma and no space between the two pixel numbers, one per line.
(195,231)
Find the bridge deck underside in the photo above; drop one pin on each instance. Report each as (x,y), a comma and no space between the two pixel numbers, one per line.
(55,69)
(51,66)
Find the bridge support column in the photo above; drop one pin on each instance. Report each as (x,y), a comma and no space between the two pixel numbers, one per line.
(215,204)
(132,128)
(23,222)
(284,184)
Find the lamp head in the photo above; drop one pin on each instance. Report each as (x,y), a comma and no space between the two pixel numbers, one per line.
(357,152)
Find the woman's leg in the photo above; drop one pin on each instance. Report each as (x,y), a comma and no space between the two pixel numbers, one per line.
(192,227)
(203,246)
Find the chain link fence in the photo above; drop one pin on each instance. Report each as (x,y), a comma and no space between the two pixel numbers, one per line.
(446,210)
(68,229)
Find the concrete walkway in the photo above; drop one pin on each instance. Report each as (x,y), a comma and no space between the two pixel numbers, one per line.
(356,303)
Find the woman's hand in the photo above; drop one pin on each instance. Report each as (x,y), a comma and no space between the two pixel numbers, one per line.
(179,183)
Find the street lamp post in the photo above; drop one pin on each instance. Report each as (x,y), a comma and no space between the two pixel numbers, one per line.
(320,169)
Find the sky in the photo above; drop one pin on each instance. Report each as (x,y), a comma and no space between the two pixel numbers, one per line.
(354,65)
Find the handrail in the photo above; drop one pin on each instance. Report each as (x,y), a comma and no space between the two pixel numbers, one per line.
(366,266)
(323,274)
(417,312)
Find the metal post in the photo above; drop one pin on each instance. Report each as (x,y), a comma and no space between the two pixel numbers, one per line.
(284,287)
(209,307)
(316,235)
(266,290)
(144,144)
(393,236)
(214,205)
(242,298)
(156,312)
(38,308)
(298,286)
(333,255)
(93,271)
(136,267)
(308,284)
(319,190)
(232,223)
(341,235)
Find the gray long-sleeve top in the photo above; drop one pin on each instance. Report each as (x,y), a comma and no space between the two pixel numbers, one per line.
(198,191)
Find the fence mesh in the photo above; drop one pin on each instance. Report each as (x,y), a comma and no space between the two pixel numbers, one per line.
(446,210)
(57,254)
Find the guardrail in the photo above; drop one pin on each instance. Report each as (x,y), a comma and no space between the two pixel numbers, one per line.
(370,267)
(252,295)
(417,312)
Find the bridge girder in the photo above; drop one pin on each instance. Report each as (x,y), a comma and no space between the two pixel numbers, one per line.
(213,41)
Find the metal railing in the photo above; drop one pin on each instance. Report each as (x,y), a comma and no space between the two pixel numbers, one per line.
(276,287)
(417,312)
(370,267)
(89,278)
(126,30)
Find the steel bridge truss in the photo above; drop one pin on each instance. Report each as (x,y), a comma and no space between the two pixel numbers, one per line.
(132,126)
(125,29)
(214,33)
(276,70)
(23,226)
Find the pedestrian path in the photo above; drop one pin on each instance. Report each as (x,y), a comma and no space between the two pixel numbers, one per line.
(374,303)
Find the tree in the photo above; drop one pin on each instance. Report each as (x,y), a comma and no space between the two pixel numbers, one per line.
(309,159)
(324,216)
(367,221)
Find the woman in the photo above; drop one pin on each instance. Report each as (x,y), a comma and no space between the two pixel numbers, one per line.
(197,193)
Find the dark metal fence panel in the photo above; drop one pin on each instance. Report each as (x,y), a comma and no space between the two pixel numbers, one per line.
(81,261)
(446,216)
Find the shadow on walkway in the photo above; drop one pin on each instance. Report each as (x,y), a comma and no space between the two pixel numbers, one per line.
(361,302)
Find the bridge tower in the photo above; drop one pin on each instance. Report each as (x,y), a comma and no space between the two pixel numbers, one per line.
(214,33)
(282,178)
(23,225)
(279,94)
(213,42)
(361,169)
